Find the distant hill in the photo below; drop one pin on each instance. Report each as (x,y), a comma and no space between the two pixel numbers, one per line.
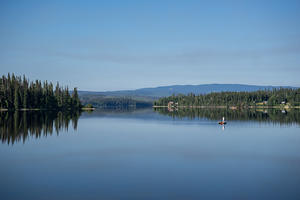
(163,91)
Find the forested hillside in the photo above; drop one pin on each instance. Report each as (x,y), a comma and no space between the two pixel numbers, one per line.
(19,93)
(100,101)
(164,91)
(282,96)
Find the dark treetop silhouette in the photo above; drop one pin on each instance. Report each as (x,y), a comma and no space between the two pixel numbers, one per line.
(17,93)
(283,96)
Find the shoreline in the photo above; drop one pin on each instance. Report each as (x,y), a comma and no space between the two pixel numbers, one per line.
(233,107)
(87,109)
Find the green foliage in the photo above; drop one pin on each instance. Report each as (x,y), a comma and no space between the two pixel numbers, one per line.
(240,99)
(17,93)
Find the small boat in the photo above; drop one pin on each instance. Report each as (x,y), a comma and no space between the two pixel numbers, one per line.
(223,122)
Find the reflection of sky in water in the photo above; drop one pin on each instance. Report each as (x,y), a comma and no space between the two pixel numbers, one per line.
(139,157)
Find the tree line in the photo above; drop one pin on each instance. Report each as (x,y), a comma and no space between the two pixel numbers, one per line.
(19,93)
(240,99)
(115,102)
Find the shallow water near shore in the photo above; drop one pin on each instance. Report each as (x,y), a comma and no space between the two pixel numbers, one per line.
(147,154)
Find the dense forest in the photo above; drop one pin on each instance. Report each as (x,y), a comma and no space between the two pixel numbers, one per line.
(275,97)
(18,93)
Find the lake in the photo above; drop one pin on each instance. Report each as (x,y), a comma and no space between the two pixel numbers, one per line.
(150,154)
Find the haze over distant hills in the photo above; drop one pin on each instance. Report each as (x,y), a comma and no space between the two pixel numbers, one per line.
(163,91)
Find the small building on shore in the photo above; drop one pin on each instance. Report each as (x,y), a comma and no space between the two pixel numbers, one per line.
(170,104)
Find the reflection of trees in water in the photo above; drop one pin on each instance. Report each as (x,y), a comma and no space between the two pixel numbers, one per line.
(18,126)
(116,111)
(271,115)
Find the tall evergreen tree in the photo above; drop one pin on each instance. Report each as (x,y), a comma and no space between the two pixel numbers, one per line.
(17,93)
(75,98)
(16,98)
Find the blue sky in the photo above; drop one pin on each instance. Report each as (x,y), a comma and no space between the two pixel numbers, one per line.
(112,45)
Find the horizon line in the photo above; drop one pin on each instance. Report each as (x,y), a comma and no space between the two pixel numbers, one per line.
(189,85)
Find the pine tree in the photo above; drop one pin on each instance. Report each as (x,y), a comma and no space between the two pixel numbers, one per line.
(25,98)
(16,98)
(75,97)
(17,93)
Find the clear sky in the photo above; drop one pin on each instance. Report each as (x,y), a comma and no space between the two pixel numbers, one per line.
(112,45)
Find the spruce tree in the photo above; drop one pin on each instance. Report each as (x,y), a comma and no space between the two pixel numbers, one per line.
(16,98)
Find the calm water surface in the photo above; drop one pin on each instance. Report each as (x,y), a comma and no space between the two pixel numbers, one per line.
(146,154)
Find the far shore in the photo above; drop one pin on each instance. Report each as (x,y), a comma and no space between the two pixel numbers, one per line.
(86,109)
(232,107)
